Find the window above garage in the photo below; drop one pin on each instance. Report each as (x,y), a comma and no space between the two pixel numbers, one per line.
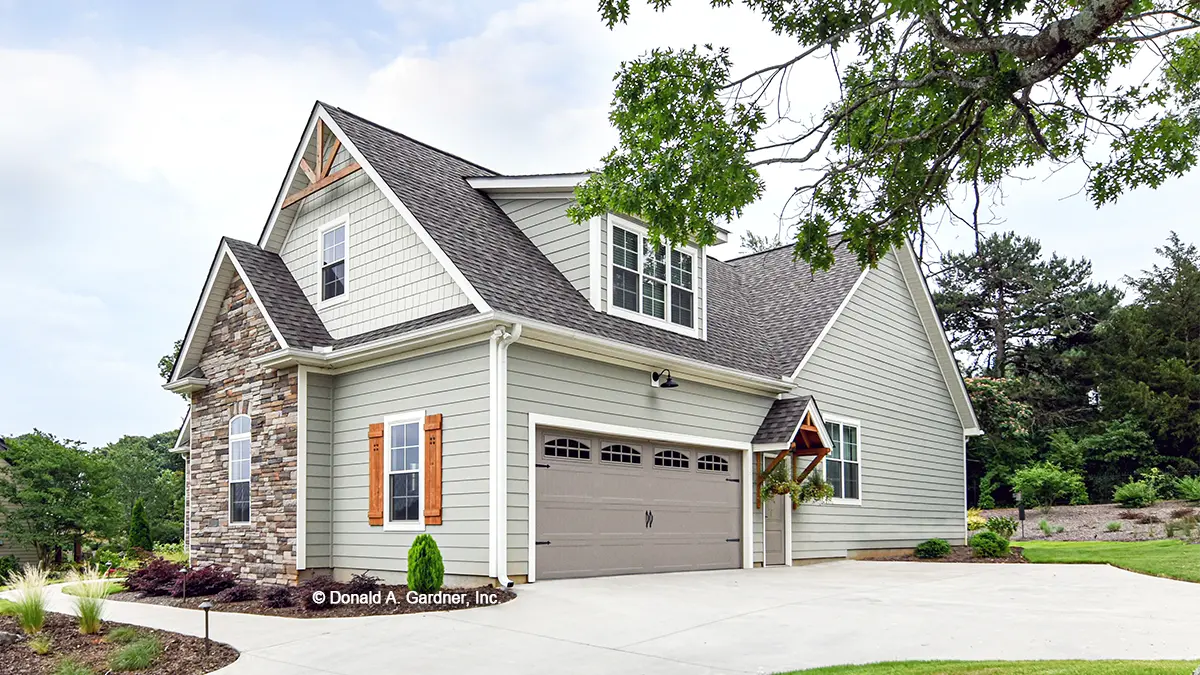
(651,282)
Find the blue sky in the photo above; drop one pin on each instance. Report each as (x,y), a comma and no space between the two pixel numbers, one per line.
(134,135)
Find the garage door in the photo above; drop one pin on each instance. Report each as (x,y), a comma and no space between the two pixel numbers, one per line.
(623,506)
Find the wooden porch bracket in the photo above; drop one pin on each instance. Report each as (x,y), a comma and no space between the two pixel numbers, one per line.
(807,443)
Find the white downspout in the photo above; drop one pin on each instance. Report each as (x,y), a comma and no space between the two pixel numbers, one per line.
(500,341)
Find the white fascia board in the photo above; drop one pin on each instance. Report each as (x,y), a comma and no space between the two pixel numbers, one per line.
(188,338)
(273,219)
(638,356)
(919,290)
(829,325)
(422,234)
(549,183)
(186,385)
(185,431)
(262,309)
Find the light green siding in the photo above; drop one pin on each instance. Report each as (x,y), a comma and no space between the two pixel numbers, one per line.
(876,365)
(551,383)
(452,382)
(319,421)
(564,243)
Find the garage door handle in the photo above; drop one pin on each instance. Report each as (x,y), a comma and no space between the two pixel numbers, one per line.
(734,480)
(542,543)
(541,466)
(649,519)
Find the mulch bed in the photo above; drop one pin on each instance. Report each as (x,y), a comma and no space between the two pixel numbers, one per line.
(1089,522)
(391,600)
(963,554)
(182,655)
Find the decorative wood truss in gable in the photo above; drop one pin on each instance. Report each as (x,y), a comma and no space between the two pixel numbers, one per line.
(807,443)
(319,176)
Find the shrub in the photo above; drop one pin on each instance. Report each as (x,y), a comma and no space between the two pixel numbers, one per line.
(1188,488)
(173,552)
(326,585)
(988,544)
(1128,515)
(975,520)
(41,645)
(362,583)
(156,577)
(1135,494)
(90,589)
(69,666)
(1048,529)
(239,593)
(934,548)
(1183,512)
(1114,526)
(426,572)
(29,603)
(139,528)
(1004,526)
(108,559)
(137,655)
(1148,518)
(8,567)
(1045,484)
(277,597)
(1182,526)
(203,581)
(122,635)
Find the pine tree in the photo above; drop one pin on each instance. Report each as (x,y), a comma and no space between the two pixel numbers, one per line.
(139,529)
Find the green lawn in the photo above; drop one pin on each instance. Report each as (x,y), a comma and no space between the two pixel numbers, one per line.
(1165,558)
(1011,668)
(113,587)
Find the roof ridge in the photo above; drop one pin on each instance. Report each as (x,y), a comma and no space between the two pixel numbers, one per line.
(754,253)
(410,138)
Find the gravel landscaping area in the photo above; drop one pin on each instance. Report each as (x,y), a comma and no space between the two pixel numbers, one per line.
(1091,521)
(387,600)
(180,655)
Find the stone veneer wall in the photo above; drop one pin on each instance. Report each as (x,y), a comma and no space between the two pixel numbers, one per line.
(264,549)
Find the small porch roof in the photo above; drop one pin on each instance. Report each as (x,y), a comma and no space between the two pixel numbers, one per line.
(782,423)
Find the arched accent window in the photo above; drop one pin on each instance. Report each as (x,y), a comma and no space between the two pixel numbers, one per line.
(567,448)
(239,469)
(672,459)
(620,454)
(713,463)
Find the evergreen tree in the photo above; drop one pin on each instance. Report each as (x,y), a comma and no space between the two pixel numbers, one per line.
(139,529)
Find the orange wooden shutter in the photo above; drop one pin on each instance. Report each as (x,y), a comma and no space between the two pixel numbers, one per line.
(375,495)
(433,469)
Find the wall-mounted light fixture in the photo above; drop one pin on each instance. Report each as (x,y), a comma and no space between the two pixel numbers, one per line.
(663,379)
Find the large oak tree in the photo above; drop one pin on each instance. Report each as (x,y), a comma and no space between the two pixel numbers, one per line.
(936,101)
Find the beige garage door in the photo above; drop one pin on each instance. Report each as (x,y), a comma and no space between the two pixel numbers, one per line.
(620,506)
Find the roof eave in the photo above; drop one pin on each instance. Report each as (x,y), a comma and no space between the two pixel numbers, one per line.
(186,385)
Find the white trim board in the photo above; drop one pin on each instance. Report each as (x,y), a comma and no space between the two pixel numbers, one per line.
(301,467)
(829,325)
(539,420)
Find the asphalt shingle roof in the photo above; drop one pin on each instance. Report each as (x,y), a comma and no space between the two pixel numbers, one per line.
(281,296)
(765,311)
(781,420)
(405,327)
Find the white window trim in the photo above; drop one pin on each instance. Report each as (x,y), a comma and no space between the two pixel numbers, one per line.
(342,221)
(390,421)
(849,422)
(615,221)
(248,436)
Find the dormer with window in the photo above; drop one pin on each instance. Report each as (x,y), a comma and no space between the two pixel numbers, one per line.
(610,260)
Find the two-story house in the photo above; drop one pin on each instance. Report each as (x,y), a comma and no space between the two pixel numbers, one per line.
(417,343)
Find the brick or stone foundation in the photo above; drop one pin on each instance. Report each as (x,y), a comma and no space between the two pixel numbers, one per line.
(264,549)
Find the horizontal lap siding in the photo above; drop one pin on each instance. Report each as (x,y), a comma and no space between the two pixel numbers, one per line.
(453,383)
(564,243)
(876,365)
(550,383)
(318,459)
(391,276)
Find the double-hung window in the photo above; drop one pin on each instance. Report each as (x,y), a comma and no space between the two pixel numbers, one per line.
(842,463)
(405,471)
(333,261)
(652,281)
(239,469)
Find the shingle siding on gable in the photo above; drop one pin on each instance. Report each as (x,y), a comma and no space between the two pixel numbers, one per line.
(564,243)
(876,365)
(392,276)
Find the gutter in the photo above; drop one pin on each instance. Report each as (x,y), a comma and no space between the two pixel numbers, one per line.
(498,345)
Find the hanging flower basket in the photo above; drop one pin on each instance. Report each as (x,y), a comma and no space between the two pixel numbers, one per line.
(814,489)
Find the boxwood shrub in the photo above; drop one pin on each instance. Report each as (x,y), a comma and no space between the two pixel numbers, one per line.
(934,548)
(988,544)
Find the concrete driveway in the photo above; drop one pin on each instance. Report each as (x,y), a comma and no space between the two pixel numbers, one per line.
(755,621)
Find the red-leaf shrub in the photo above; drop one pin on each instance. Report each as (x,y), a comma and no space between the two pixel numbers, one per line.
(278,596)
(326,585)
(203,581)
(239,593)
(362,583)
(156,577)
